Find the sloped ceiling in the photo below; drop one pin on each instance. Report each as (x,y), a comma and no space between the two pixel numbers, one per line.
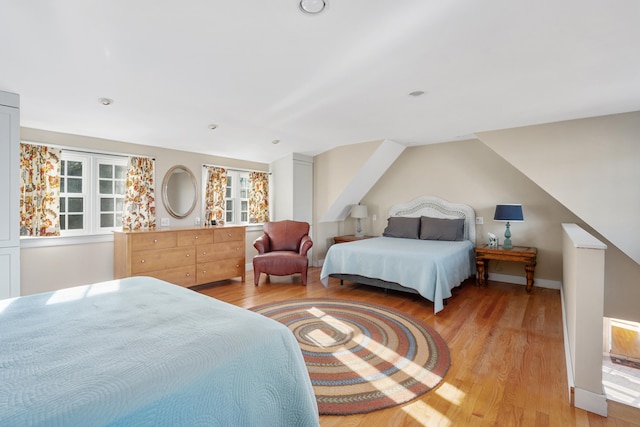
(263,71)
(590,166)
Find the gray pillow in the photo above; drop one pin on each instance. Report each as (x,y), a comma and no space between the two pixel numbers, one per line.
(441,229)
(397,226)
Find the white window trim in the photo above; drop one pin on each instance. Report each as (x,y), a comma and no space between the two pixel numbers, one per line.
(84,238)
(250,226)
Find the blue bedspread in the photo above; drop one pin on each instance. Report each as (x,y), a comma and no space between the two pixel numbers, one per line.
(142,352)
(431,267)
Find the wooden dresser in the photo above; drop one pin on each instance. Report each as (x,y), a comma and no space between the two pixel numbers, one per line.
(186,257)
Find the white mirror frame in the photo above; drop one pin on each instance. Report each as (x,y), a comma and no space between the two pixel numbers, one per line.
(173,210)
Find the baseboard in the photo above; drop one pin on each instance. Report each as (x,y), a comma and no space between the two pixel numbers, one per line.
(521,280)
(592,402)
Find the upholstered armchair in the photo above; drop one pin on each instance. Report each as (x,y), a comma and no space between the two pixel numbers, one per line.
(282,250)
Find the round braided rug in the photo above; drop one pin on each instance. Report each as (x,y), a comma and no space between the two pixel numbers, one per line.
(362,357)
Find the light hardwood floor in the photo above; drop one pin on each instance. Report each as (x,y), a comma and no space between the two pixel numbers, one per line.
(507,353)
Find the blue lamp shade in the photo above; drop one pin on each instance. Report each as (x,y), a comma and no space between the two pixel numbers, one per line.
(508,213)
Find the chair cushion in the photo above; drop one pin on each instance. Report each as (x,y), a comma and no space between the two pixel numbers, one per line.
(280,263)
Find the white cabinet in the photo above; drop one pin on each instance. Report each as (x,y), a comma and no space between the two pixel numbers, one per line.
(9,194)
(291,190)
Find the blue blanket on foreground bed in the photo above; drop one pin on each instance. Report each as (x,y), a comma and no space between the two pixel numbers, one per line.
(431,267)
(142,352)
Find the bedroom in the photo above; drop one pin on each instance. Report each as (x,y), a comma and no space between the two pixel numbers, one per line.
(468,170)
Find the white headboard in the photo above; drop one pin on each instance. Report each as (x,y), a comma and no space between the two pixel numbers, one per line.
(436,207)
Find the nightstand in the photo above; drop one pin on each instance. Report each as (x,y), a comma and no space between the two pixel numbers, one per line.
(521,254)
(349,238)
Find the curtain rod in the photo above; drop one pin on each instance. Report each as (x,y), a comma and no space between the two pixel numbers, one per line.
(80,150)
(204,165)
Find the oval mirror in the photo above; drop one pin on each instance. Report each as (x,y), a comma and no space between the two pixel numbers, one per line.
(179,191)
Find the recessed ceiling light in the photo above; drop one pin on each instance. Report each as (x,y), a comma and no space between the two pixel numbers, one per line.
(275,141)
(312,6)
(416,93)
(105,101)
(213,126)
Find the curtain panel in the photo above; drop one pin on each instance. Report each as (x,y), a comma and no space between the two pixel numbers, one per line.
(139,211)
(214,193)
(39,190)
(258,197)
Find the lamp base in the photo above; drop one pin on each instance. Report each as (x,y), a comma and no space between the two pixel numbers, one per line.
(359,232)
(507,238)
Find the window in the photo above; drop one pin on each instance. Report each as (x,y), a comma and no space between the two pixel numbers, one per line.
(92,188)
(237,197)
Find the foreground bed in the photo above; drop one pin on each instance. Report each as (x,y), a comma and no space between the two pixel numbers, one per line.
(143,352)
(429,261)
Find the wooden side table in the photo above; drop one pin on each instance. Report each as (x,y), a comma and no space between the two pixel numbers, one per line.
(349,238)
(517,254)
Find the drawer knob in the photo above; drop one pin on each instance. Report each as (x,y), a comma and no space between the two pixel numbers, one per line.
(196,237)
(188,255)
(188,275)
(204,253)
(204,271)
(155,240)
(229,234)
(142,261)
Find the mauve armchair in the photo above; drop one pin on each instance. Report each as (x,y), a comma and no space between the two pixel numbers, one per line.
(282,250)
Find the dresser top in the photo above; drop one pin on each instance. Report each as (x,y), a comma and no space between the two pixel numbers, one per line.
(165,229)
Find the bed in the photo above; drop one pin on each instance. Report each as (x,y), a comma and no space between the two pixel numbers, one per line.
(429,260)
(143,352)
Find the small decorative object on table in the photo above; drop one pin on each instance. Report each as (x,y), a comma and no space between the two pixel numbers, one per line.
(493,241)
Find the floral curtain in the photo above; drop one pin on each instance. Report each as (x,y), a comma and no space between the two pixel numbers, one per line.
(139,211)
(214,193)
(39,190)
(258,197)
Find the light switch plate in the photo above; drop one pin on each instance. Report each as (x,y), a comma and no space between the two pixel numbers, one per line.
(164,222)
(479,220)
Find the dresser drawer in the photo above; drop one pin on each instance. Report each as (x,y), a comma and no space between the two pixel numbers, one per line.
(228,234)
(220,251)
(195,237)
(145,261)
(183,276)
(147,241)
(220,270)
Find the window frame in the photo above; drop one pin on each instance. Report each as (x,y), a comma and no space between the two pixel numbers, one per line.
(91,190)
(236,202)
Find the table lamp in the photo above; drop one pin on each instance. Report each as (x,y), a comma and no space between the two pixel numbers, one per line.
(508,213)
(358,212)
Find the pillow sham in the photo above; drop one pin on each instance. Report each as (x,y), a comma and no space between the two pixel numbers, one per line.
(405,227)
(441,228)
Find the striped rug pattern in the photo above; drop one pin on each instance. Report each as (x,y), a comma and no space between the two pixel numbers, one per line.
(362,357)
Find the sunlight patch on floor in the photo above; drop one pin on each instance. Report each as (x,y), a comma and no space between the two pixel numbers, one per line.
(451,393)
(425,414)
(365,370)
(621,383)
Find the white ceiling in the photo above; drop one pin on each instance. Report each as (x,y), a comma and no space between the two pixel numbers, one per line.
(262,70)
